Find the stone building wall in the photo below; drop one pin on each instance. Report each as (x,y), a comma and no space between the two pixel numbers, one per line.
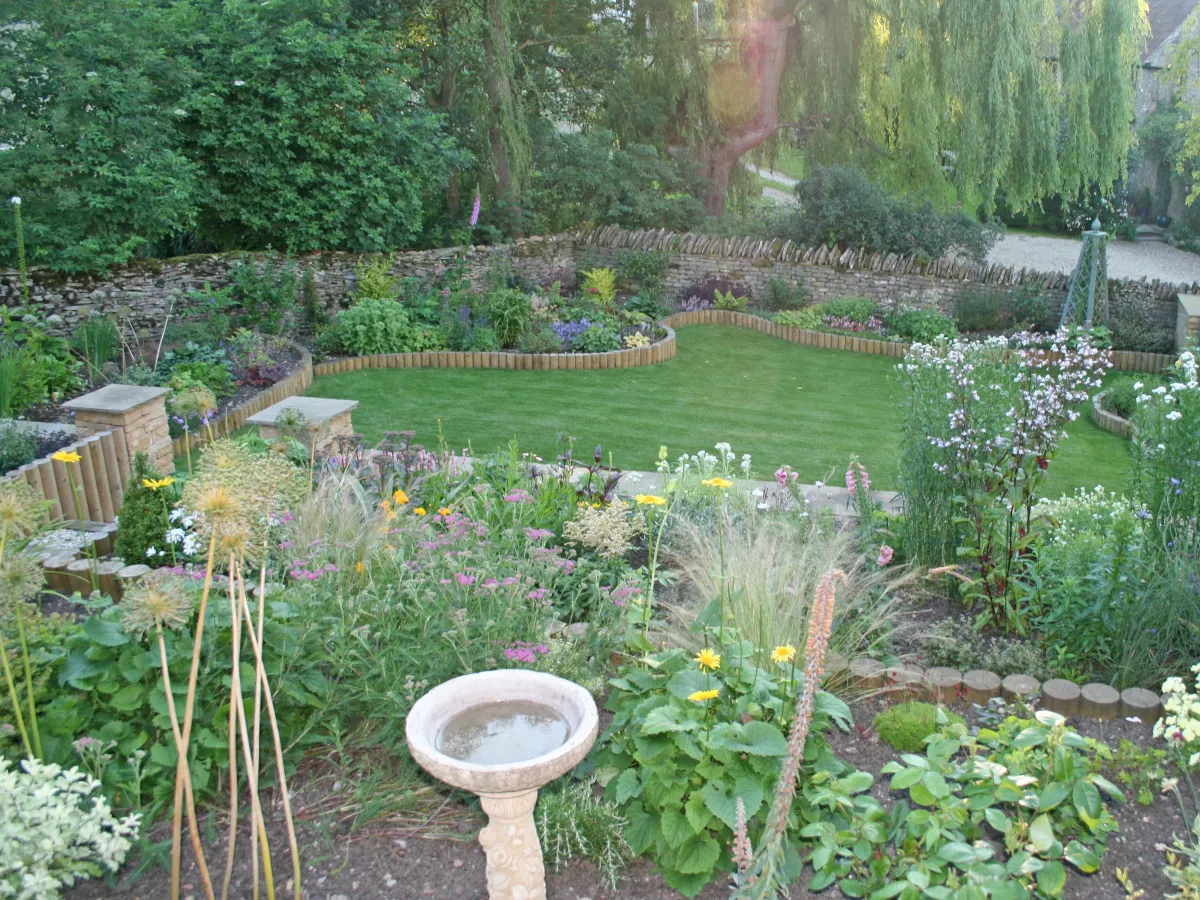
(144,293)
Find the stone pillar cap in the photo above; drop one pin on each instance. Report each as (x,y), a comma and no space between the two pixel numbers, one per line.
(116,398)
(316,410)
(1190,304)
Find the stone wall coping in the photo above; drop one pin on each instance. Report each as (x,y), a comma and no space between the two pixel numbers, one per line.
(1190,304)
(317,410)
(116,398)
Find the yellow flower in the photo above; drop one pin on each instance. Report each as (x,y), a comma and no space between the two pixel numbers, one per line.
(783,654)
(721,483)
(66,456)
(662,451)
(443,511)
(419,511)
(649,500)
(155,484)
(701,696)
(708,659)
(595,506)
(400,497)
(359,567)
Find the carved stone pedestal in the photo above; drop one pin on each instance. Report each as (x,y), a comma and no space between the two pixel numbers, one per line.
(514,857)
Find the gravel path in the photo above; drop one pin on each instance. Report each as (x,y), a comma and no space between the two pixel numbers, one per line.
(1126,259)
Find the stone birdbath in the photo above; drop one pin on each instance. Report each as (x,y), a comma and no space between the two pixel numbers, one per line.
(502,735)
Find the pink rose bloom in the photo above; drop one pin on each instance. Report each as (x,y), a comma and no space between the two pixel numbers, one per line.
(885,555)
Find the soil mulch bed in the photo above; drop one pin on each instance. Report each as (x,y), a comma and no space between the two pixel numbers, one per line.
(434,852)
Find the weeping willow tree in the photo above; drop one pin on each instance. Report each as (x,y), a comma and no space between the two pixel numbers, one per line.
(1034,96)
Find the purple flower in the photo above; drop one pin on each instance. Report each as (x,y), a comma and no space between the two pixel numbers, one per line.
(464,579)
(518,496)
(475,210)
(538,534)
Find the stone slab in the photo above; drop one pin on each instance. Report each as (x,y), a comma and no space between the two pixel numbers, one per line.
(317,410)
(116,399)
(1190,304)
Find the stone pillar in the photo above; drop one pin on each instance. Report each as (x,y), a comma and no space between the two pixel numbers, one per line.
(1187,322)
(515,870)
(135,415)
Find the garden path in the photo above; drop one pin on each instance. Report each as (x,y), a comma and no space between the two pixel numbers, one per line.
(1126,259)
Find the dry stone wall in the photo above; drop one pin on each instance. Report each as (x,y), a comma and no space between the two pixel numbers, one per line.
(144,293)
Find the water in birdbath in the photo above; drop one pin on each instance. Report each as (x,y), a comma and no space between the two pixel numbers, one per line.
(511,731)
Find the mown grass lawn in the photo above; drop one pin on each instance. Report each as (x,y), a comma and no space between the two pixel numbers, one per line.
(780,402)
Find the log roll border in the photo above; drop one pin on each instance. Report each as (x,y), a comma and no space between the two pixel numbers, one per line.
(100,478)
(633,357)
(1107,420)
(230,421)
(1123,360)
(942,685)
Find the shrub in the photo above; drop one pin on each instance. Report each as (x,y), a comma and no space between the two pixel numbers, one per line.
(18,446)
(855,309)
(811,317)
(600,286)
(730,302)
(921,325)
(840,205)
(374,280)
(1120,395)
(380,326)
(97,341)
(264,294)
(643,270)
(703,294)
(58,829)
(906,725)
(649,304)
(955,644)
(981,311)
(214,376)
(483,340)
(597,339)
(1033,310)
(509,312)
(143,523)
(574,823)
(1135,322)
(541,340)
(780,293)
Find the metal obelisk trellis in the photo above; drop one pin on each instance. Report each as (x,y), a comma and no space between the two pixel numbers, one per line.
(1090,279)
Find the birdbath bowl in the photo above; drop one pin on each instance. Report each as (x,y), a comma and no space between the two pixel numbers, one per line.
(502,735)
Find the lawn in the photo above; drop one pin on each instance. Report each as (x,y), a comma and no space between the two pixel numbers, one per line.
(780,402)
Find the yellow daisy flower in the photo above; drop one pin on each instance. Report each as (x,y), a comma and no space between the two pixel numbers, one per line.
(783,654)
(155,484)
(400,497)
(359,567)
(444,511)
(721,483)
(708,659)
(649,500)
(66,456)
(419,511)
(701,696)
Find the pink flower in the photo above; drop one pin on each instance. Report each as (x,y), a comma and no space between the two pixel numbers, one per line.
(538,534)
(857,475)
(464,579)
(885,555)
(475,210)
(781,477)
(518,496)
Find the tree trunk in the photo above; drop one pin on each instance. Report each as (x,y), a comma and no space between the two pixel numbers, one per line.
(766,48)
(500,96)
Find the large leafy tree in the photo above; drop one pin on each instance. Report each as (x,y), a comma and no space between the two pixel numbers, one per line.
(1036,96)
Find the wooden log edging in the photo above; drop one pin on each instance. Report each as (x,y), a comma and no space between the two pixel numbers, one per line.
(1109,421)
(230,421)
(1122,360)
(903,682)
(630,358)
(100,478)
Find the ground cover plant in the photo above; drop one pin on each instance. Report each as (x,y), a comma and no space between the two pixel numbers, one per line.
(748,385)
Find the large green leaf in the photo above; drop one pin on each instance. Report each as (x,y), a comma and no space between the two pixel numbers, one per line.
(721,800)
(128,698)
(1041,833)
(641,828)
(698,855)
(958,853)
(1052,879)
(698,815)
(77,669)
(1087,802)
(905,778)
(759,739)
(103,632)
(1081,857)
(687,682)
(674,826)
(1054,794)
(667,719)
(628,786)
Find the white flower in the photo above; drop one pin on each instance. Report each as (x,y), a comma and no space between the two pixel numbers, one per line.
(1175,415)
(15,201)
(1160,390)
(150,553)
(181,112)
(1137,385)
(89,74)
(239,83)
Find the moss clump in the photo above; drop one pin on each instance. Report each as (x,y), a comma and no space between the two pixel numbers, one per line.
(906,725)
